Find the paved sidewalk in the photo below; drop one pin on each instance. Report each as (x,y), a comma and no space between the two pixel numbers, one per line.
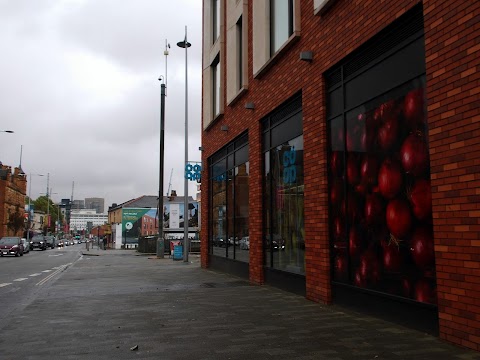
(110,302)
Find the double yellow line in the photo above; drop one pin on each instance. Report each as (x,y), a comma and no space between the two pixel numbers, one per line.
(59,270)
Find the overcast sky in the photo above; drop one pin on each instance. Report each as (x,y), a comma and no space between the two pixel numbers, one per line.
(78,86)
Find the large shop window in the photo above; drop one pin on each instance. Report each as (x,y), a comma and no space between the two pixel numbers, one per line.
(229,187)
(284,226)
(379,172)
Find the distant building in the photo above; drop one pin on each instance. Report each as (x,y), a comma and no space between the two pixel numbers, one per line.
(13,187)
(95,203)
(80,218)
(78,204)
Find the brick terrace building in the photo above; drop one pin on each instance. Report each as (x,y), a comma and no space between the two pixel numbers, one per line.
(12,198)
(342,142)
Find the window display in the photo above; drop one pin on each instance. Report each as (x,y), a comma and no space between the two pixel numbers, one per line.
(380,196)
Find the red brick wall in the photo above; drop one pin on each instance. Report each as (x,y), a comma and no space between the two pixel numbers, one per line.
(452,40)
(452,46)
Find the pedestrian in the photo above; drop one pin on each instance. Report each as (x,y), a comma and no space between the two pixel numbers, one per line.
(104,243)
(87,244)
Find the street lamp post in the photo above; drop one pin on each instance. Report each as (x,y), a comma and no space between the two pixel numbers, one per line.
(160,244)
(29,205)
(185,45)
(7,131)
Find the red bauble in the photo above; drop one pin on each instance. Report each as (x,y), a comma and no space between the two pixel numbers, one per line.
(353,174)
(374,209)
(420,197)
(390,178)
(425,292)
(399,218)
(414,154)
(369,170)
(336,163)
(355,242)
(413,109)
(421,247)
(388,133)
(336,193)
(338,228)
(370,268)
(392,257)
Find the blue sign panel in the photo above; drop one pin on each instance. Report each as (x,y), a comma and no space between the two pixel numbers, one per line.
(178,252)
(193,172)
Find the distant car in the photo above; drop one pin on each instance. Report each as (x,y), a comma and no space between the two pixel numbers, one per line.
(11,245)
(245,243)
(66,242)
(60,243)
(219,242)
(26,246)
(38,242)
(50,240)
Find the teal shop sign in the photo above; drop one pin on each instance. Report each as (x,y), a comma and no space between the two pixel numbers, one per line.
(289,166)
(193,172)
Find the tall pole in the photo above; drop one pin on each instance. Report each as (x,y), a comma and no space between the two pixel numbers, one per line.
(48,204)
(160,243)
(185,180)
(29,210)
(185,44)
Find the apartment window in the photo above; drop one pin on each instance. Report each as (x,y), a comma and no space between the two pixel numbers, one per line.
(216,86)
(281,27)
(240,52)
(215,19)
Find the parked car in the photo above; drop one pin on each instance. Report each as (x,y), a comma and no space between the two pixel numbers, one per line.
(26,246)
(60,243)
(38,242)
(50,240)
(11,245)
(219,242)
(245,243)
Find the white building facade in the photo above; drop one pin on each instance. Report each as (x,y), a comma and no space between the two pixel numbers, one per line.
(79,219)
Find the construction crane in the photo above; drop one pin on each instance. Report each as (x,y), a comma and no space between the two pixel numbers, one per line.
(170,183)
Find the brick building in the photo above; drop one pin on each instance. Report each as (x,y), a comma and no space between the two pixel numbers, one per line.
(341,139)
(12,201)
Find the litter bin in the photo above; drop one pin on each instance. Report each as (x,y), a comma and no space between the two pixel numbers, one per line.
(178,252)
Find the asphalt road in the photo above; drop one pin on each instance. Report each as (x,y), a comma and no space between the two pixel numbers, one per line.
(23,278)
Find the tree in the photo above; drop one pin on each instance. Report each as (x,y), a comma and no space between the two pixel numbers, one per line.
(15,220)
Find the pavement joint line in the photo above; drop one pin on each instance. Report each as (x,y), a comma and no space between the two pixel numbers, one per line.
(21,279)
(5,284)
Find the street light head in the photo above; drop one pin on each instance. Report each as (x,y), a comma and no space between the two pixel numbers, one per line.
(182,44)
(7,131)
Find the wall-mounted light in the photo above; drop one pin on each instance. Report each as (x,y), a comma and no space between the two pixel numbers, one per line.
(249,105)
(306,56)
(224,128)
(200,148)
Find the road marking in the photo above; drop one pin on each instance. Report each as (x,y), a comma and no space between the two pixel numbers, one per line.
(58,271)
(21,279)
(56,255)
(5,284)
(45,271)
(36,274)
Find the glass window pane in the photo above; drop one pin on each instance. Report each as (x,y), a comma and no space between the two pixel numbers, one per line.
(219,209)
(281,20)
(286,237)
(242,240)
